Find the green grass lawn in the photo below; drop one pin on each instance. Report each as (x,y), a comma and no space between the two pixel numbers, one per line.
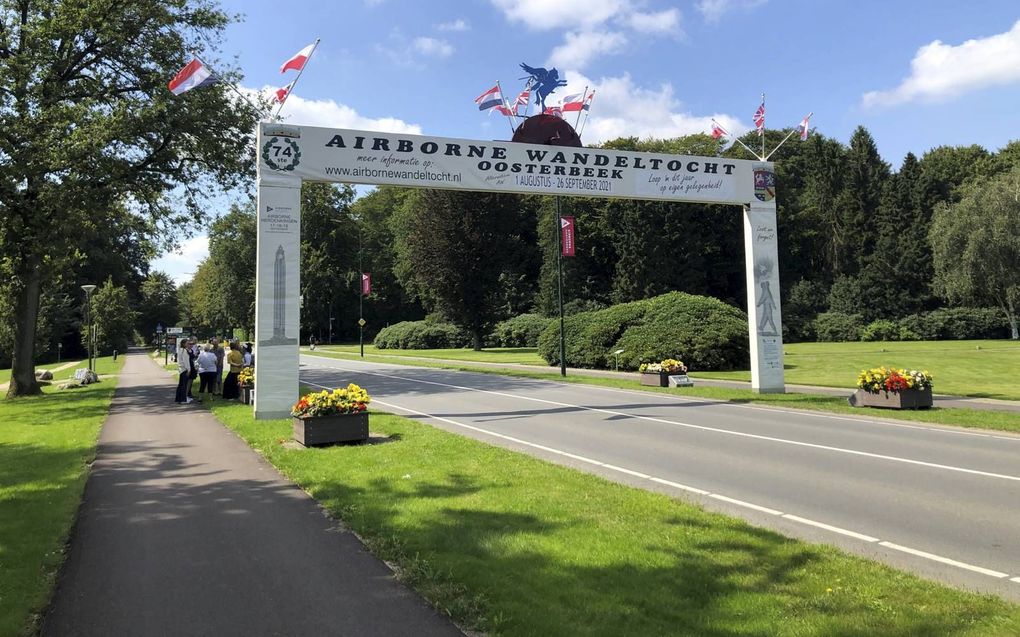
(513,545)
(982,369)
(972,418)
(5,374)
(46,445)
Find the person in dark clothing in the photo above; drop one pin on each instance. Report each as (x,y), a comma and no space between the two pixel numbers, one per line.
(235,361)
(193,362)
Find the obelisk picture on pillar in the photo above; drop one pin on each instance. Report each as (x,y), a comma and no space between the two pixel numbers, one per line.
(280,301)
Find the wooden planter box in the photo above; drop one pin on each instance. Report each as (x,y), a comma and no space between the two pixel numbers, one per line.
(325,430)
(248,395)
(655,379)
(907,399)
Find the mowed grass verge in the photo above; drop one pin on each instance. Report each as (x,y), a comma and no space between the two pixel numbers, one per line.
(513,545)
(969,418)
(46,445)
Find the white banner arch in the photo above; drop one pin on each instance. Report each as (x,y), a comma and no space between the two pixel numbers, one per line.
(291,154)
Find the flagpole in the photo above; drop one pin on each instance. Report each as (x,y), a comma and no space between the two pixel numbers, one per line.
(509,116)
(762,131)
(587,113)
(737,139)
(785,139)
(578,120)
(294,83)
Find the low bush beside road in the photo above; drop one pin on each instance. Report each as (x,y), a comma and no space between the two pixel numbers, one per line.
(704,332)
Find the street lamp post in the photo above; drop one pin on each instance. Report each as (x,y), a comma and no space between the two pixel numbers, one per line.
(89,289)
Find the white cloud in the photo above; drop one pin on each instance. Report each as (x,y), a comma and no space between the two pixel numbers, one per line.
(623,109)
(561,14)
(941,71)
(578,49)
(713,10)
(329,113)
(433,47)
(181,264)
(663,22)
(460,24)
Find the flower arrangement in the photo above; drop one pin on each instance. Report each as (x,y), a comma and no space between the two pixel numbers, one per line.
(345,400)
(246,378)
(669,365)
(893,380)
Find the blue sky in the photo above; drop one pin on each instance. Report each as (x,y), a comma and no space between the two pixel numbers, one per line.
(917,74)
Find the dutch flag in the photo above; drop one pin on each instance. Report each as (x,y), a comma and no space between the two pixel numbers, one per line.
(489,99)
(194,75)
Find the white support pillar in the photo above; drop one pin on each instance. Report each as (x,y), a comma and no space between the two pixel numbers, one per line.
(277,291)
(765,323)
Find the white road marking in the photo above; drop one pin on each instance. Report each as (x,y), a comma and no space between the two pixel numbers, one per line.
(829,527)
(945,560)
(675,423)
(716,496)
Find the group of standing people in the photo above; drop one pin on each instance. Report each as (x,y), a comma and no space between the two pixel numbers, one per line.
(206,363)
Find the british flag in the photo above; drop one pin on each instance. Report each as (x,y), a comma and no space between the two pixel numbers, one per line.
(759,119)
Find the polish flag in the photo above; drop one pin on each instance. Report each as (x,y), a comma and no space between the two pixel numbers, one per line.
(717,132)
(194,75)
(298,62)
(573,102)
(283,93)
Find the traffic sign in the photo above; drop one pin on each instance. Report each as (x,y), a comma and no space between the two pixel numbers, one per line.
(361,322)
(159,328)
(175,330)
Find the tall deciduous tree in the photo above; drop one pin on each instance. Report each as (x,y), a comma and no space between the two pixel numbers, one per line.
(87,125)
(457,250)
(157,303)
(976,245)
(113,318)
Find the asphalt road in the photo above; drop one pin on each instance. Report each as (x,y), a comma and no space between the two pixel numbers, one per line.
(941,502)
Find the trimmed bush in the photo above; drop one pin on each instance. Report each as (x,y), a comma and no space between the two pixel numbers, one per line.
(958,323)
(885,330)
(421,335)
(834,327)
(520,331)
(703,332)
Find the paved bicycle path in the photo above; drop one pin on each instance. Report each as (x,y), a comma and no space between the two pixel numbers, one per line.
(184,530)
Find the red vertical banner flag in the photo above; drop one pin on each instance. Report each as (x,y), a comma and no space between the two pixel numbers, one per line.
(366,283)
(567,239)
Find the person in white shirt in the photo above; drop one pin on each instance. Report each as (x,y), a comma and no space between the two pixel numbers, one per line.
(207,370)
(184,369)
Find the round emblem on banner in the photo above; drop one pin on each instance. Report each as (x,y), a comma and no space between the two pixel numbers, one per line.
(281,154)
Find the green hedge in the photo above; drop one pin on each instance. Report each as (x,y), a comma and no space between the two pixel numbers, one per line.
(704,332)
(958,323)
(421,335)
(520,331)
(831,327)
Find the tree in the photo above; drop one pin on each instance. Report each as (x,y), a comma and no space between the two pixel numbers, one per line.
(232,246)
(88,128)
(113,318)
(158,303)
(976,245)
(457,250)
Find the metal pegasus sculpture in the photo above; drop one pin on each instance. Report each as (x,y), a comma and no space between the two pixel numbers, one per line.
(544,82)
